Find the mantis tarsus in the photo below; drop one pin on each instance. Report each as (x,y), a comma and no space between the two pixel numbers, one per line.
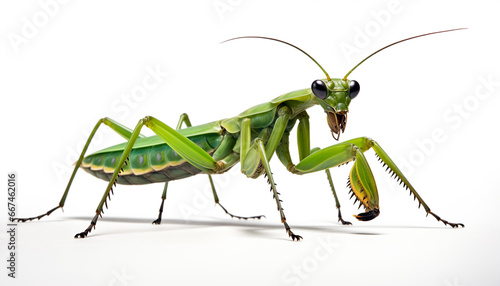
(251,138)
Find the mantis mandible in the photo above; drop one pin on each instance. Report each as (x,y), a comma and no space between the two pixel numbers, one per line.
(251,138)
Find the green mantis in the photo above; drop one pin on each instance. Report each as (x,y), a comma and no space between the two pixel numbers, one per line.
(251,138)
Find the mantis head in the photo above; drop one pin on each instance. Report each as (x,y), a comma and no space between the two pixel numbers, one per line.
(334,96)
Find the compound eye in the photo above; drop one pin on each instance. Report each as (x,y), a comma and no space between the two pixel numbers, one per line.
(353,89)
(319,89)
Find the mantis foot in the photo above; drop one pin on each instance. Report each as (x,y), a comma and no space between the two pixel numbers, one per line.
(241,217)
(158,220)
(291,234)
(32,218)
(344,222)
(89,228)
(454,225)
(83,234)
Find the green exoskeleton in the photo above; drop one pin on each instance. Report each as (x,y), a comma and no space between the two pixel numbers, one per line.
(251,138)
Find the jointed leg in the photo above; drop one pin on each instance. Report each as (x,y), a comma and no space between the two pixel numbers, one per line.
(336,198)
(255,157)
(216,199)
(115,126)
(265,162)
(361,179)
(387,161)
(334,156)
(303,144)
(179,143)
(163,197)
(133,137)
(185,119)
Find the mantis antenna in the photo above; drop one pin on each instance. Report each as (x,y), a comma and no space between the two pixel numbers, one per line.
(324,71)
(273,39)
(414,37)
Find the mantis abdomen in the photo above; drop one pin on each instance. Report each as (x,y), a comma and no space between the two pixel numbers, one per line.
(149,164)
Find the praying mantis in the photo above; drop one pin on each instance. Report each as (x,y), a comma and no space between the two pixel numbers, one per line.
(251,138)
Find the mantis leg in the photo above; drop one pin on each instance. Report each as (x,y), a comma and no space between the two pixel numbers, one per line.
(216,199)
(284,155)
(337,203)
(255,157)
(265,162)
(115,126)
(185,119)
(384,158)
(361,179)
(179,143)
(303,142)
(163,197)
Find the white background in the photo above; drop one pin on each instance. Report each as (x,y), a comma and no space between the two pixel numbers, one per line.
(82,60)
